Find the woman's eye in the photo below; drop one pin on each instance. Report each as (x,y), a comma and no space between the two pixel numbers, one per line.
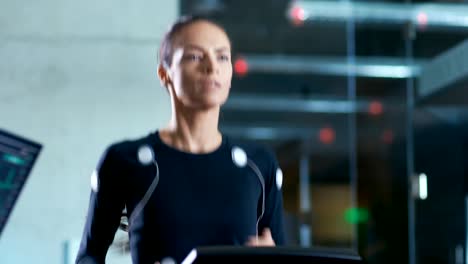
(224,58)
(193,57)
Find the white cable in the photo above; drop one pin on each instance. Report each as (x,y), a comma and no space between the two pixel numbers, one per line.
(240,159)
(257,171)
(139,207)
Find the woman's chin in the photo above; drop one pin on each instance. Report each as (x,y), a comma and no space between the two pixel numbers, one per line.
(210,103)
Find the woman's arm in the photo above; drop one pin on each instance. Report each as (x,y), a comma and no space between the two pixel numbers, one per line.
(105,208)
(273,217)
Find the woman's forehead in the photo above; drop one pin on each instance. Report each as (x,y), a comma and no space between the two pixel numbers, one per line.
(202,34)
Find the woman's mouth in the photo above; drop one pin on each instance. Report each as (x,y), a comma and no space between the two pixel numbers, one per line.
(211,84)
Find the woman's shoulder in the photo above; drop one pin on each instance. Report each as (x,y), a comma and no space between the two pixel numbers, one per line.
(129,147)
(255,150)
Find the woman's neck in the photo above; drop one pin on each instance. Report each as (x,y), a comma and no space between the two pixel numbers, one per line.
(193,131)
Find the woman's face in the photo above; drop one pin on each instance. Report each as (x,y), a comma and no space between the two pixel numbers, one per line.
(201,69)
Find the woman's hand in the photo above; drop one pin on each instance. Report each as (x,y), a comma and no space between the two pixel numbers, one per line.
(264,240)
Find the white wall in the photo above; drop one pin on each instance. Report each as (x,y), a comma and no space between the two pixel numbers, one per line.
(74,76)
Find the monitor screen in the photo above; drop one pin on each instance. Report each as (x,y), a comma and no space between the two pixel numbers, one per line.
(17,157)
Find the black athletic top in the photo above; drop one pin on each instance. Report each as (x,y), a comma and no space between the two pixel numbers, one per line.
(198,199)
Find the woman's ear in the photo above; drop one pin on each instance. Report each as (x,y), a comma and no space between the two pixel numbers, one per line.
(163,75)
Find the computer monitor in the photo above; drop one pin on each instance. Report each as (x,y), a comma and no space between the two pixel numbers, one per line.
(297,255)
(17,157)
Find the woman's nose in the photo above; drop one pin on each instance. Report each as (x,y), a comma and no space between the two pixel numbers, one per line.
(210,65)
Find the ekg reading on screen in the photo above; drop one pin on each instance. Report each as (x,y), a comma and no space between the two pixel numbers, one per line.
(17,157)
